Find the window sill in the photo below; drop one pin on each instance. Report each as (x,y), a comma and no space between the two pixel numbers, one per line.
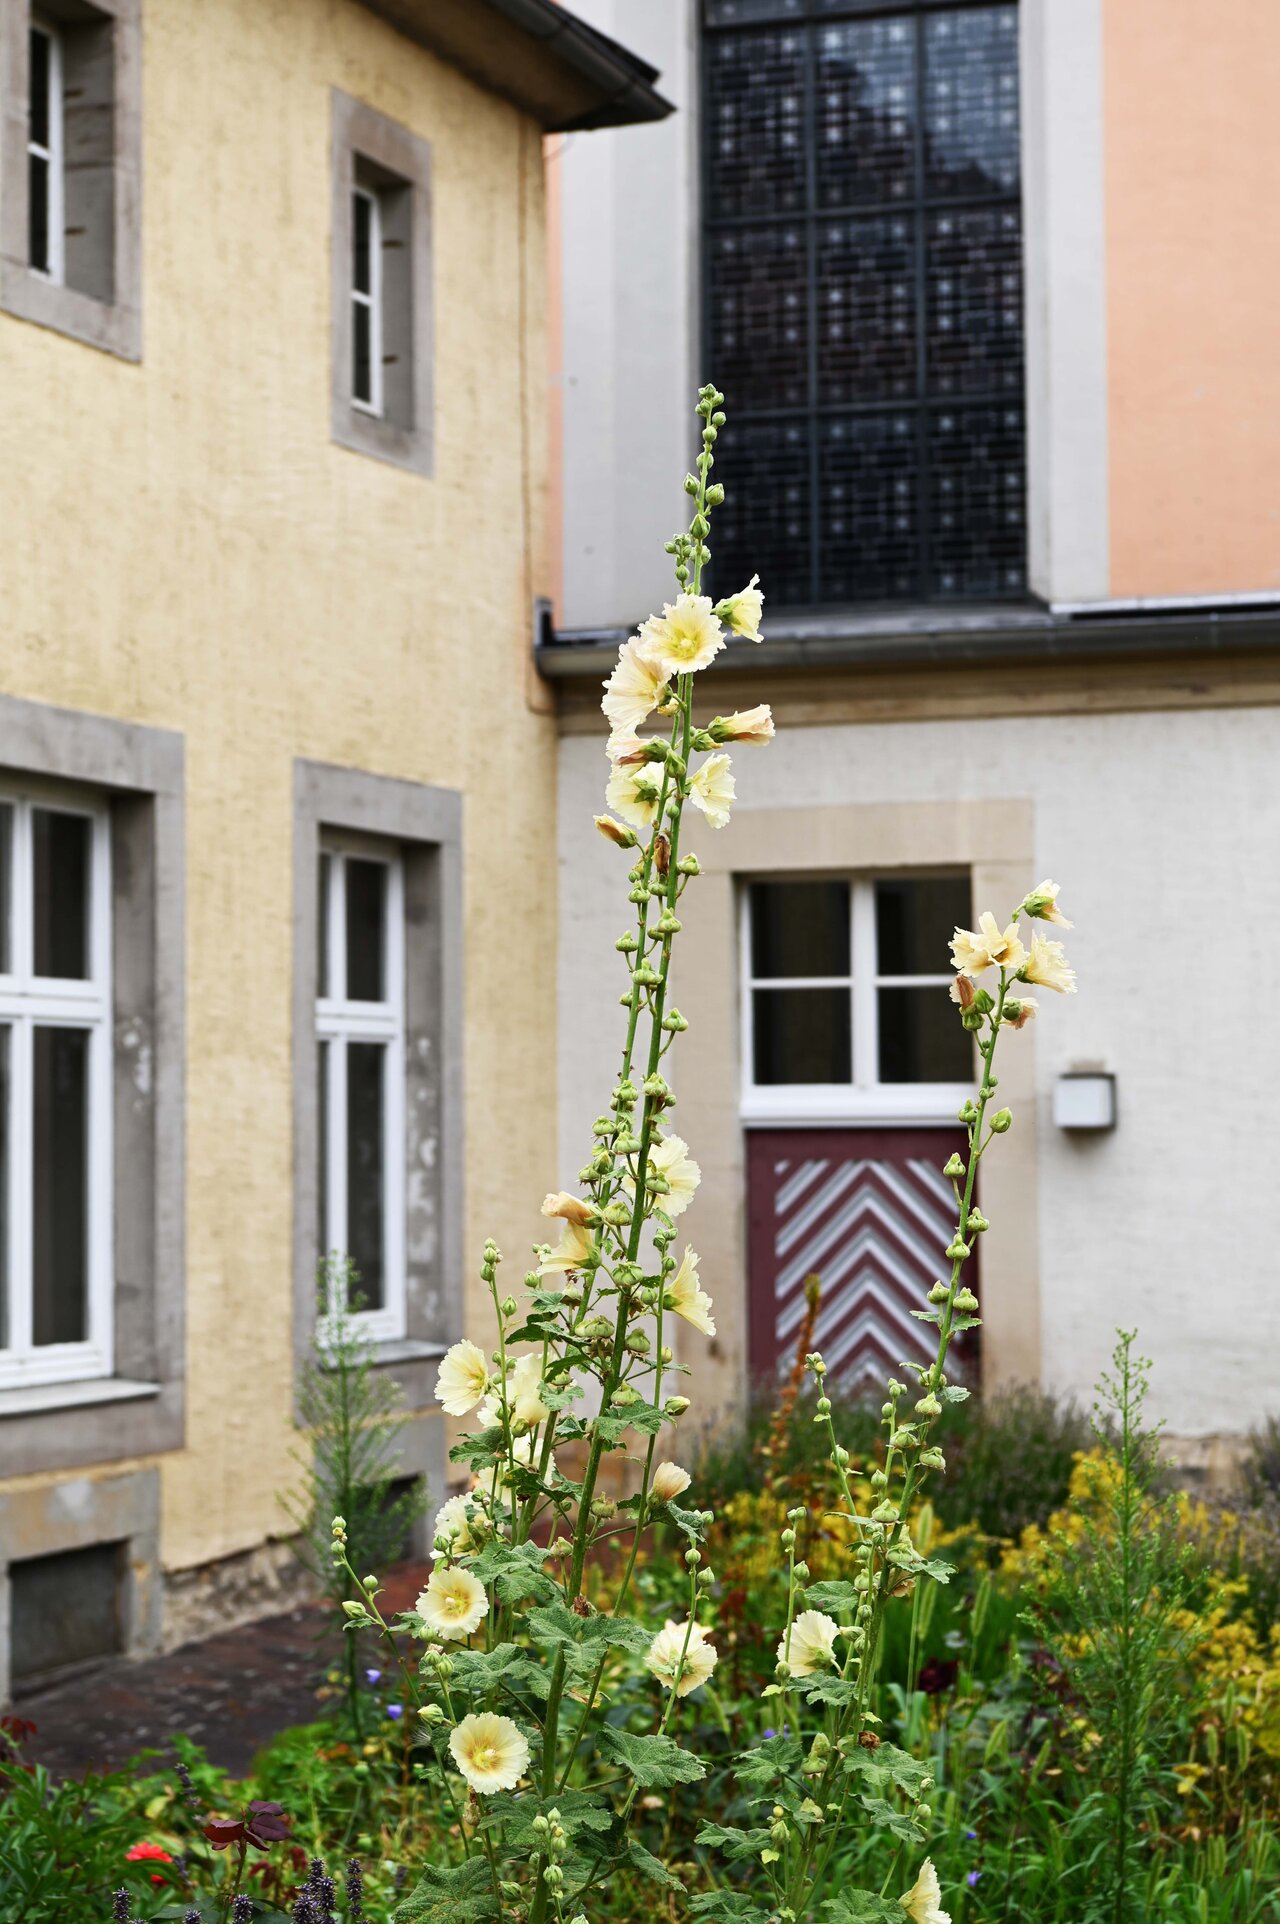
(36,1398)
(394,1351)
(895,1106)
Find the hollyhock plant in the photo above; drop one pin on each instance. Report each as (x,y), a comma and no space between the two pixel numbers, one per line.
(555,1698)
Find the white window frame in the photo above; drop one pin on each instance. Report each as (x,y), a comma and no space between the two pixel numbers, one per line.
(27,1002)
(372,300)
(52,155)
(864,1099)
(338,1022)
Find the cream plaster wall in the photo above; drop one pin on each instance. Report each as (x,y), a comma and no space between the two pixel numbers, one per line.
(1192,150)
(183,545)
(1157,825)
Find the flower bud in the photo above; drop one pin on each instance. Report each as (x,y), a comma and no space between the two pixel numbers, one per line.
(692,1557)
(431,1714)
(939,1293)
(953,1167)
(675,1406)
(1001,1121)
(617,832)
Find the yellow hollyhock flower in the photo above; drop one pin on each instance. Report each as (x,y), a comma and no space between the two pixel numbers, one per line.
(685,637)
(616,832)
(671,1159)
(752,725)
(453,1526)
(454,1604)
(572,1208)
(1043,904)
(491,1752)
(687,1297)
(712,789)
(522,1391)
(742,611)
(987,947)
(633,690)
(1048,968)
(669,1482)
(572,1251)
(679,1669)
(923,1902)
(813,1643)
(463,1378)
(633,790)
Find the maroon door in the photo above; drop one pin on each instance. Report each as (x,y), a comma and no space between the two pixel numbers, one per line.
(871,1213)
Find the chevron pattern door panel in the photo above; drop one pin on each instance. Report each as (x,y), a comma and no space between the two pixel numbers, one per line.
(871,1213)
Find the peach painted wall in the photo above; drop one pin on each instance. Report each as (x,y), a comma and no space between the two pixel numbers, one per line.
(1192,153)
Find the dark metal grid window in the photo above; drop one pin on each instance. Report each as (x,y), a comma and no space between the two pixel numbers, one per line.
(863,296)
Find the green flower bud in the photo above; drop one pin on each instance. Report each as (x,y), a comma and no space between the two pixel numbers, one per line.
(1002,1121)
(692,1557)
(431,1714)
(954,1167)
(675,1406)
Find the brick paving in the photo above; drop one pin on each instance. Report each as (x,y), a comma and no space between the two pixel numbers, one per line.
(230,1693)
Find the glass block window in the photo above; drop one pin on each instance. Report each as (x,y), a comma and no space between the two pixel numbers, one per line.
(863,297)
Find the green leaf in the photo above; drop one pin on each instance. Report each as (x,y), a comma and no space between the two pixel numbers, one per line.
(652,1867)
(613,1425)
(895,1821)
(689,1521)
(477,1672)
(450,1894)
(654,1762)
(730,1907)
(824,1689)
(954,1393)
(579,1810)
(762,1766)
(836,1595)
(617,1633)
(516,1571)
(886,1764)
(862,1907)
(554,1624)
(733,1842)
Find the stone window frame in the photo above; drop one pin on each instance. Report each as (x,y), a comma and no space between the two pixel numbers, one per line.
(113,325)
(139,772)
(425,824)
(371,151)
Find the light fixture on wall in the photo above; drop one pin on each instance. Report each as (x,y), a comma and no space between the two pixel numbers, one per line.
(1085,1099)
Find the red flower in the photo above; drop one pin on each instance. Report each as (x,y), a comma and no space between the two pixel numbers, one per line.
(140,1853)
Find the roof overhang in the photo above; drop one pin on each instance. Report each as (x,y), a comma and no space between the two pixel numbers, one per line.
(537,55)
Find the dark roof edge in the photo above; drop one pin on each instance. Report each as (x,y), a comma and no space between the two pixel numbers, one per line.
(625,80)
(1018,637)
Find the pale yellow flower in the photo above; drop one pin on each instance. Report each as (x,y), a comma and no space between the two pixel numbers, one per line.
(571,1252)
(1043,904)
(687,1297)
(671,1159)
(633,790)
(989,946)
(462,1379)
(525,1454)
(684,637)
(1018,1014)
(624,747)
(923,1902)
(1048,968)
(679,1669)
(453,1525)
(813,1643)
(615,831)
(454,1604)
(633,690)
(522,1391)
(572,1208)
(491,1752)
(669,1482)
(742,611)
(712,789)
(752,725)
(963,992)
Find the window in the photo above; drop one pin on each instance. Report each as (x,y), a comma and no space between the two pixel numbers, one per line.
(366,300)
(55,1089)
(70,168)
(863,294)
(381,287)
(360,1033)
(846,1012)
(44,152)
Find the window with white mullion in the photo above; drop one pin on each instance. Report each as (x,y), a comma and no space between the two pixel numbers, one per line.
(55,1090)
(360,1014)
(366,300)
(845,1010)
(44,151)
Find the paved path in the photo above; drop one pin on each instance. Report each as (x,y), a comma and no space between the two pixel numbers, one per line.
(228,1693)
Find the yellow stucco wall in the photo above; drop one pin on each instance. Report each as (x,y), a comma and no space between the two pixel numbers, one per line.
(1192,156)
(185,547)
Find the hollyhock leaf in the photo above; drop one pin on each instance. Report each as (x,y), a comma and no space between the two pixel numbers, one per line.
(450,1894)
(654,1762)
(620,1633)
(688,1521)
(515,1571)
(820,1689)
(733,1842)
(729,1907)
(652,1867)
(862,1907)
(762,1766)
(835,1595)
